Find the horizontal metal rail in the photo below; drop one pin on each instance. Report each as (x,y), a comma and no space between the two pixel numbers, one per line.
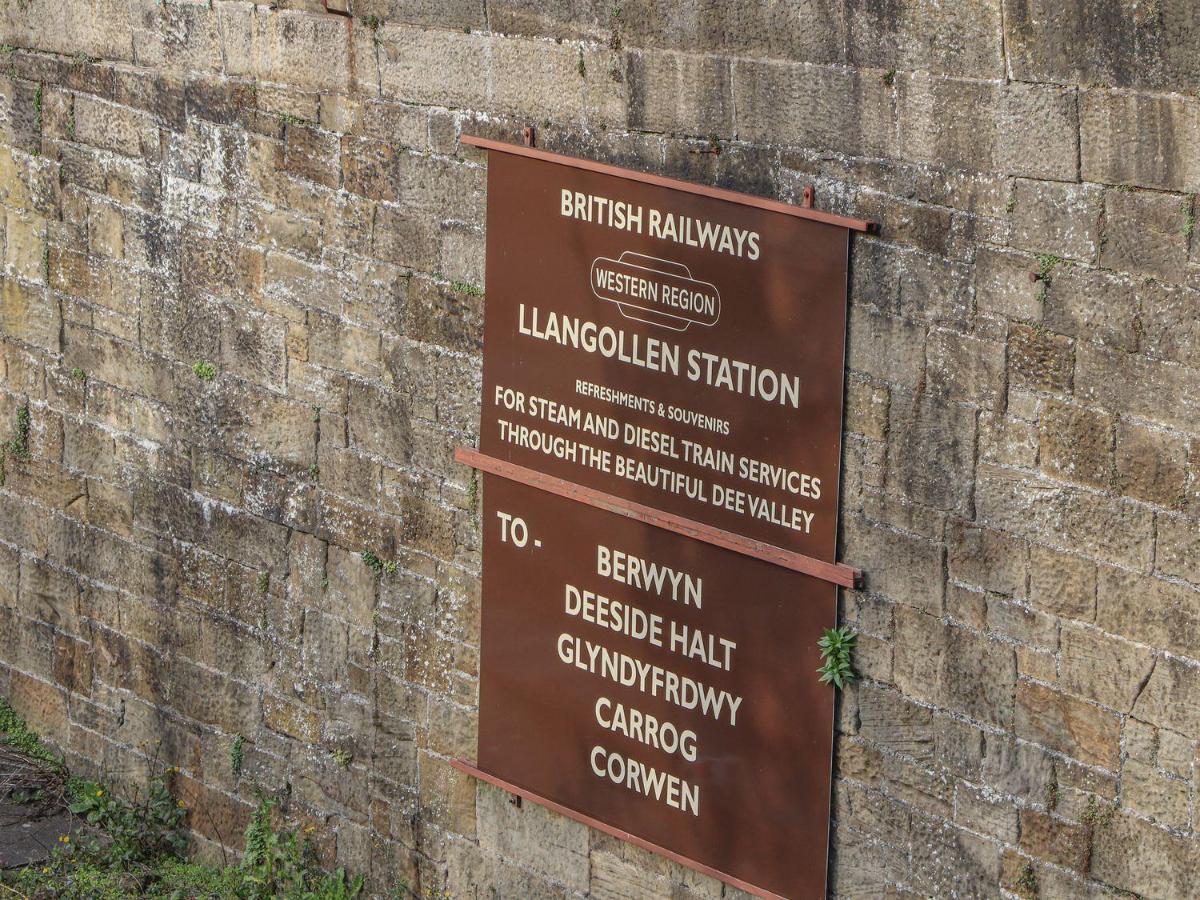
(800,212)
(838,573)
(475,772)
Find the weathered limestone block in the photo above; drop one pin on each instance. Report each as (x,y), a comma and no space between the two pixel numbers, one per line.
(553,846)
(1158,391)
(1147,233)
(803,105)
(1040,359)
(1076,443)
(1134,855)
(680,93)
(1063,220)
(1143,140)
(1068,725)
(1102,668)
(932,659)
(1105,43)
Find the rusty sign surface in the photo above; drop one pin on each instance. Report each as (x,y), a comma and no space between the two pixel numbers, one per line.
(677,349)
(659,685)
(661,425)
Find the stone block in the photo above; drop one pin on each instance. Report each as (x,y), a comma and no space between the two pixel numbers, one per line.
(1058,219)
(1134,855)
(987,559)
(1076,443)
(1018,503)
(1177,548)
(1062,584)
(550,844)
(28,314)
(981,125)
(680,94)
(1170,327)
(1034,632)
(886,347)
(1105,43)
(281,46)
(1054,840)
(928,288)
(802,105)
(1152,464)
(1140,139)
(100,29)
(464,14)
(902,567)
(1171,697)
(1068,725)
(1176,754)
(923,428)
(1146,232)
(954,668)
(1037,131)
(1040,359)
(1155,612)
(1090,304)
(111,127)
(1102,668)
(1137,386)
(966,368)
(961,38)
(1149,792)
(26,253)
(1109,529)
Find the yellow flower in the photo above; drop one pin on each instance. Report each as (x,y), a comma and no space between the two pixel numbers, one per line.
(180,804)
(100,793)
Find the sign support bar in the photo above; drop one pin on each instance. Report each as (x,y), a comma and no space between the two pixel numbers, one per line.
(800,212)
(838,573)
(475,772)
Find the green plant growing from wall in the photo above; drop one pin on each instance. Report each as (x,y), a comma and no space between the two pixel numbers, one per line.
(205,371)
(237,754)
(372,561)
(377,564)
(19,445)
(342,757)
(836,645)
(264,582)
(141,831)
(1027,881)
(78,374)
(277,863)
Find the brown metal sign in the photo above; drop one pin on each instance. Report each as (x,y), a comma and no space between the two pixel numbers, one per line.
(662,397)
(659,685)
(681,350)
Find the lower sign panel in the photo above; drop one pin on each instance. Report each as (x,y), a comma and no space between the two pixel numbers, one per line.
(657,684)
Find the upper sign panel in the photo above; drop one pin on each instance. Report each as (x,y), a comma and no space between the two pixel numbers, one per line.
(674,348)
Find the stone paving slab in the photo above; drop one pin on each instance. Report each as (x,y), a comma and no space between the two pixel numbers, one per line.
(29,835)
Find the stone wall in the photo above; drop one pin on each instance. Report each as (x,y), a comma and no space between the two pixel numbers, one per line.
(242,306)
